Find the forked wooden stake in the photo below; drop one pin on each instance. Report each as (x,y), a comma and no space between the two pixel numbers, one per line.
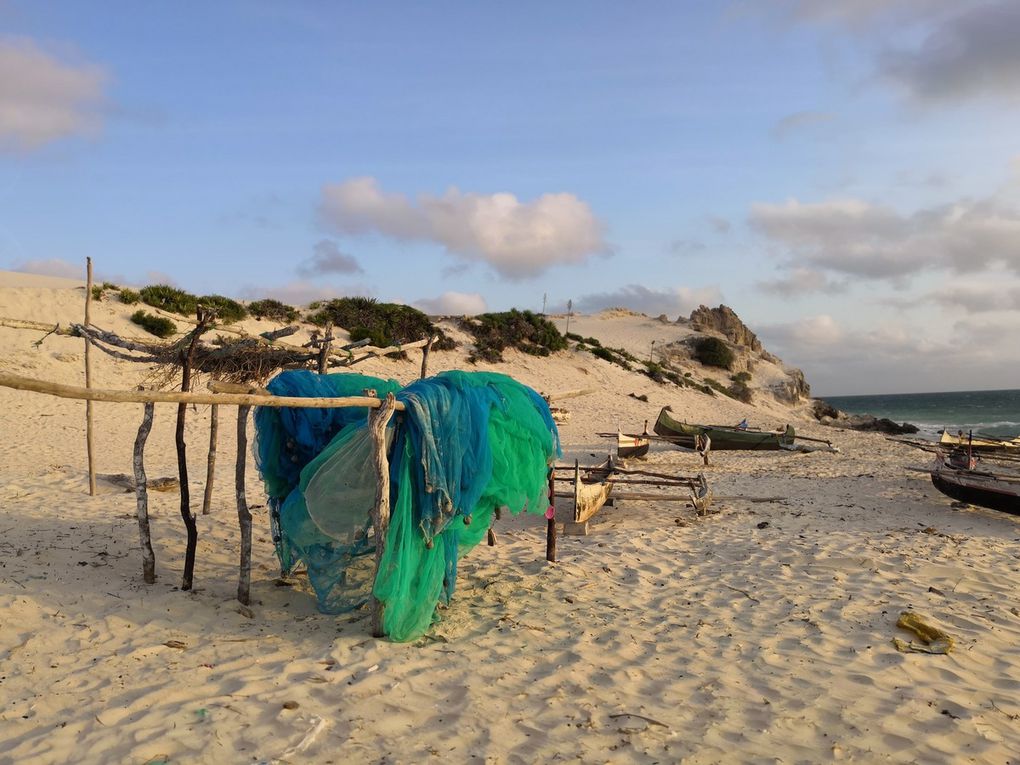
(243,514)
(377,423)
(142,495)
(550,526)
(425,357)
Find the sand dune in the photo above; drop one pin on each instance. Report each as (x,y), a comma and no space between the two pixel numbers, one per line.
(761,633)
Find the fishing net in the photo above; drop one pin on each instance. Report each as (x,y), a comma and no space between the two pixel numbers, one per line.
(468,443)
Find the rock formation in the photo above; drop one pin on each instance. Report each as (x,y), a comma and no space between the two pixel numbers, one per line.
(726,322)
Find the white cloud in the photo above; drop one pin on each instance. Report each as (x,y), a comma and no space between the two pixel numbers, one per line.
(517,239)
(801,281)
(674,302)
(857,238)
(973,53)
(43,99)
(798,121)
(979,298)
(303,292)
(51,267)
(328,259)
(453,304)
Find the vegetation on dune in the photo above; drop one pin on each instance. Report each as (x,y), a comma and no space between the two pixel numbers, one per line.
(713,352)
(168,298)
(156,325)
(383,324)
(227,310)
(128,297)
(273,310)
(526,331)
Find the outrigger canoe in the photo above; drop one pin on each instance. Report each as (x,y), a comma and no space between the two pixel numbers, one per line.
(979,443)
(998,491)
(722,438)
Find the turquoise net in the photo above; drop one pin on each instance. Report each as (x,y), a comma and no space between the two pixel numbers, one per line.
(468,443)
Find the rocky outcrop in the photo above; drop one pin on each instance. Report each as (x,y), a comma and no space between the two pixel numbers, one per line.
(827,414)
(726,322)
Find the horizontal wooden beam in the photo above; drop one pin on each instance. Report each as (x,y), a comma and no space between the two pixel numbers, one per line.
(18,382)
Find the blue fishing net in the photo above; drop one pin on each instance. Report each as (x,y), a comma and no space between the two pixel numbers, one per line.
(468,443)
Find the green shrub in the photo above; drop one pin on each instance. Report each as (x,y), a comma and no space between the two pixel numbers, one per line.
(526,331)
(740,392)
(156,325)
(741,377)
(97,292)
(713,352)
(315,305)
(128,297)
(386,323)
(273,310)
(169,298)
(111,286)
(227,310)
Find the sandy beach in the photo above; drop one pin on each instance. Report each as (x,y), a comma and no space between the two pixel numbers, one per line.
(760,633)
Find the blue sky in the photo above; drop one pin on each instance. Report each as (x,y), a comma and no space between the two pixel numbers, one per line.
(844,174)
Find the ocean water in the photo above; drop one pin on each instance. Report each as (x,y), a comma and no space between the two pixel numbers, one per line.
(994,412)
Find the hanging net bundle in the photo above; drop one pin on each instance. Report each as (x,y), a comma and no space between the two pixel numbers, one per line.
(467,443)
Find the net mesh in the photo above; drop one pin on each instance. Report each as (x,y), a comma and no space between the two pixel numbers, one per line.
(468,442)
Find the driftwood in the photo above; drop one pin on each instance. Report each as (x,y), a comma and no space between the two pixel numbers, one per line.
(322,362)
(130,483)
(89,441)
(19,382)
(210,467)
(142,497)
(377,423)
(243,514)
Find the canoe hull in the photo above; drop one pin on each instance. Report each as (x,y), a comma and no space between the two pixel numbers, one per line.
(723,439)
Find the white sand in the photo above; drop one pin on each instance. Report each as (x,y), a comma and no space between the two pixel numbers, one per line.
(661,637)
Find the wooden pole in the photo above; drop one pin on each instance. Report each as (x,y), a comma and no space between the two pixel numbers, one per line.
(142,496)
(182,459)
(176,397)
(210,468)
(377,422)
(425,357)
(550,524)
(89,444)
(243,514)
(326,342)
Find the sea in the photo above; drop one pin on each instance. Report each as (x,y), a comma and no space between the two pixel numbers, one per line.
(990,412)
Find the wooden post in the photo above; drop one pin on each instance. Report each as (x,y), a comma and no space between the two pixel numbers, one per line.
(326,342)
(577,492)
(210,468)
(88,379)
(377,422)
(425,357)
(142,496)
(182,460)
(243,514)
(550,524)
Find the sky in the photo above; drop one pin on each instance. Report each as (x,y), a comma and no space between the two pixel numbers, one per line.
(845,174)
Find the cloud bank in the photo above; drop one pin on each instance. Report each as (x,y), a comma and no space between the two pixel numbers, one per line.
(517,239)
(453,304)
(674,302)
(43,99)
(859,239)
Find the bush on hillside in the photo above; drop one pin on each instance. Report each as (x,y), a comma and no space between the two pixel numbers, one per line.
(156,325)
(713,352)
(273,310)
(128,297)
(740,392)
(741,377)
(227,310)
(526,331)
(169,298)
(384,323)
